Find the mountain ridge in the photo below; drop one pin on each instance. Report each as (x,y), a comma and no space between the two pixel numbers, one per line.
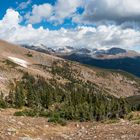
(68,50)
(41,85)
(113,58)
(13,58)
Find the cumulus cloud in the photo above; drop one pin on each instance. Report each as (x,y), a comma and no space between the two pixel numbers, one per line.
(82,36)
(11,18)
(57,13)
(112,10)
(65,9)
(24,5)
(95,11)
(39,13)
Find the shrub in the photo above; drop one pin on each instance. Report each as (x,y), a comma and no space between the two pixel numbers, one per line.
(58,120)
(19,113)
(29,54)
(3,104)
(44,114)
(27,112)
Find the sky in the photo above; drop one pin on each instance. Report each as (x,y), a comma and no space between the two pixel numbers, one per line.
(97,24)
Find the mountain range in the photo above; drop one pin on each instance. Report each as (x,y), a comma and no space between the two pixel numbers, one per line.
(15,60)
(113,58)
(46,85)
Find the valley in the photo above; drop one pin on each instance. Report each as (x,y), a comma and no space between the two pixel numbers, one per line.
(61,99)
(70,70)
(112,59)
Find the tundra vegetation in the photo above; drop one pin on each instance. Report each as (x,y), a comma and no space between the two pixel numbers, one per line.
(76,100)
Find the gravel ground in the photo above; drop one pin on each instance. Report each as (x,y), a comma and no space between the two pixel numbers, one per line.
(26,128)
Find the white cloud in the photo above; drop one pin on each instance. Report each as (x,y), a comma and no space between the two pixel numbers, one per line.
(95,11)
(11,18)
(65,9)
(39,13)
(9,23)
(113,10)
(82,36)
(24,5)
(57,13)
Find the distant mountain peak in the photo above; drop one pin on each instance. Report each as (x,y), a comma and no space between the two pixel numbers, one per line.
(114,51)
(103,53)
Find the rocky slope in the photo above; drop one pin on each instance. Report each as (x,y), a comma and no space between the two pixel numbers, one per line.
(14,60)
(114,58)
(27,128)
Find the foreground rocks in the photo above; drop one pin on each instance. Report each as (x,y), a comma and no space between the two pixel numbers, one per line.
(27,128)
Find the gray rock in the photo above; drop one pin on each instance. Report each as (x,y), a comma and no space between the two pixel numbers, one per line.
(11,129)
(25,138)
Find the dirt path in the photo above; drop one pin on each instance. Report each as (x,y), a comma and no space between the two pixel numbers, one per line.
(26,128)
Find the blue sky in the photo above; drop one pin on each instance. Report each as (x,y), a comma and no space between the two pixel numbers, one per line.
(16,5)
(78,23)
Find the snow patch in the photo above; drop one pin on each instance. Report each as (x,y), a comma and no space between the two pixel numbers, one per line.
(19,61)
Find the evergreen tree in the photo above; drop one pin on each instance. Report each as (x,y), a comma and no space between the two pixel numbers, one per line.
(19,97)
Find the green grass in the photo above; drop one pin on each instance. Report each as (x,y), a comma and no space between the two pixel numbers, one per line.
(27,112)
(58,121)
(110,121)
(52,116)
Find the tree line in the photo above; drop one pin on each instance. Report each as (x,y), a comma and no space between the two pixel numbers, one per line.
(72,101)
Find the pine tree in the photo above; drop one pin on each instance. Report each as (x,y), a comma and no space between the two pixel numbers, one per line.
(19,97)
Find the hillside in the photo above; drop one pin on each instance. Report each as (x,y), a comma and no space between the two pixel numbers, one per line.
(28,71)
(59,99)
(113,58)
(124,63)
(15,60)
(15,128)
